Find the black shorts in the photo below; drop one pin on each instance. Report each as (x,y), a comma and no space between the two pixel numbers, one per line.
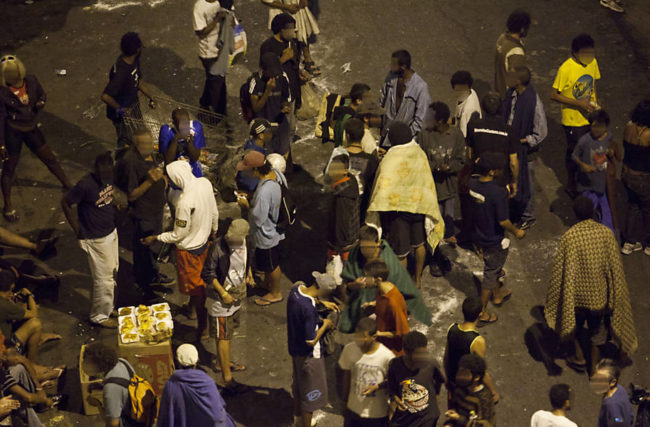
(573,134)
(309,382)
(267,260)
(14,139)
(405,231)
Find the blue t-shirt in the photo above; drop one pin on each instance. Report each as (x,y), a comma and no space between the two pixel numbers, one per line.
(166,136)
(592,152)
(245,179)
(264,214)
(616,411)
(302,324)
(489,208)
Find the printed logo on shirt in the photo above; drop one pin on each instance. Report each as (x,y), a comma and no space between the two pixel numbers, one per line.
(368,375)
(599,158)
(314,395)
(181,223)
(105,196)
(414,396)
(583,88)
(477,196)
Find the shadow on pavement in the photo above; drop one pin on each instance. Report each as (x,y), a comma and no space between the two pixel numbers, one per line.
(262,407)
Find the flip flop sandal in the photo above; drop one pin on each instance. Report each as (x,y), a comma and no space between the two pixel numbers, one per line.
(491,319)
(234,367)
(503,300)
(265,302)
(11,216)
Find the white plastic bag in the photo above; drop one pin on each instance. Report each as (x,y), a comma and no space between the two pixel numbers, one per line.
(334,268)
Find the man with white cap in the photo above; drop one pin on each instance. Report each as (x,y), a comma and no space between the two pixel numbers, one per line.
(197,219)
(190,396)
(226,272)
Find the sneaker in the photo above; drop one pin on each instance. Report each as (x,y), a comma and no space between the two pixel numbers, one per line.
(612,5)
(628,248)
(527,223)
(109,323)
(647,250)
(163,279)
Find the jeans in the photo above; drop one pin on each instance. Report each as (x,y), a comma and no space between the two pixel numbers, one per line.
(214,90)
(529,210)
(637,221)
(447,212)
(145,266)
(601,208)
(25,413)
(104,260)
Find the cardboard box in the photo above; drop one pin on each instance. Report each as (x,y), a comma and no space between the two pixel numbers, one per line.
(153,362)
(86,383)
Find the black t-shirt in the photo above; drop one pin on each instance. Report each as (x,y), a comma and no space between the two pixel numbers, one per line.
(123,84)
(95,207)
(10,312)
(272,110)
(418,390)
(131,171)
(489,207)
(491,134)
(344,222)
(291,67)
(364,167)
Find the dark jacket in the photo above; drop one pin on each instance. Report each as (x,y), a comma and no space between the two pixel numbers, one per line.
(344,222)
(217,265)
(14,111)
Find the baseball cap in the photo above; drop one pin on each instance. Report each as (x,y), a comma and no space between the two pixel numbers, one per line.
(259,126)
(187,355)
(370,107)
(252,159)
(277,162)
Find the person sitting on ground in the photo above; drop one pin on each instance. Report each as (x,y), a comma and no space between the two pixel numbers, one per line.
(389,306)
(196,223)
(364,368)
(226,272)
(592,155)
(371,114)
(414,383)
(184,139)
(264,214)
(468,105)
(490,219)
(100,360)
(190,397)
(616,409)
(305,328)
(444,146)
(345,112)
(407,207)
(271,97)
(261,134)
(471,399)
(19,321)
(561,396)
(464,338)
(588,285)
(371,247)
(343,225)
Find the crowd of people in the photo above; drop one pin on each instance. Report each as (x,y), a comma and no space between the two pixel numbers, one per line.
(410,181)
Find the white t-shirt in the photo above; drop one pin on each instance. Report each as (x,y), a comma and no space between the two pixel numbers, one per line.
(204,13)
(465,109)
(548,419)
(368,142)
(236,276)
(366,370)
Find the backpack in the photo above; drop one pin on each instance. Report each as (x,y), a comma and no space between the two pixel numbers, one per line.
(287,216)
(245,101)
(141,395)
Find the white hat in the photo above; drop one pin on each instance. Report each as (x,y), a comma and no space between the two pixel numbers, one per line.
(187,355)
(277,162)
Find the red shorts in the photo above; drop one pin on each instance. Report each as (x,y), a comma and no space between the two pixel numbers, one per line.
(188,268)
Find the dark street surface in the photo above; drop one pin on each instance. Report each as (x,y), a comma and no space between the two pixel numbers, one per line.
(83,38)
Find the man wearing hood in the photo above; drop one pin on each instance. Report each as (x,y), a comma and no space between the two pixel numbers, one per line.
(197,219)
(191,397)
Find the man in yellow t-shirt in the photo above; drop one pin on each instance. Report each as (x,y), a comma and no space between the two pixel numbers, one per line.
(575,89)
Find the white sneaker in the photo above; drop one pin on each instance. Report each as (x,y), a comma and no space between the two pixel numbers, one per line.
(628,248)
(647,250)
(612,5)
